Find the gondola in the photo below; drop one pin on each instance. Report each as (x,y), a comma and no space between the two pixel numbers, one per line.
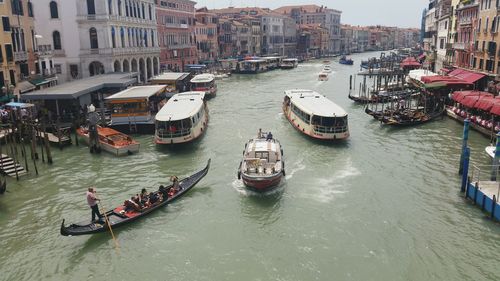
(118,216)
(404,120)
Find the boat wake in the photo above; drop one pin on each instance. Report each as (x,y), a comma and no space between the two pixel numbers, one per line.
(328,189)
(296,167)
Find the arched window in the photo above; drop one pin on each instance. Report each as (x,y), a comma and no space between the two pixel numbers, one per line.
(135,10)
(152,38)
(94,42)
(145,39)
(143,12)
(56,38)
(113,37)
(90,7)
(110,6)
(122,37)
(150,13)
(126,8)
(119,7)
(54,13)
(30,9)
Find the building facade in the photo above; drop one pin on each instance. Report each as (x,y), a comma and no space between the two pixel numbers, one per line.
(206,36)
(443,22)
(90,37)
(466,20)
(314,14)
(486,39)
(176,30)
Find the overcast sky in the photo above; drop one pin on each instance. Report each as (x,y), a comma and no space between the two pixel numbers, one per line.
(402,13)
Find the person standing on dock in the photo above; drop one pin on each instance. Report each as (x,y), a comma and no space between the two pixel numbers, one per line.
(92,201)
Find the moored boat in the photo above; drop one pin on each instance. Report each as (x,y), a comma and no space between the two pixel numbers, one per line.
(262,166)
(323,76)
(111,140)
(204,83)
(314,115)
(327,69)
(346,61)
(183,119)
(289,63)
(122,215)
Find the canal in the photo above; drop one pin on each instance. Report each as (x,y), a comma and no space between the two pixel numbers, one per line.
(384,205)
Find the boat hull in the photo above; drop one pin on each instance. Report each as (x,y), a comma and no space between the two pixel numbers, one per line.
(314,135)
(261,184)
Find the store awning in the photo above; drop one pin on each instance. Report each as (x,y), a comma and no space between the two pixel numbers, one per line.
(485,103)
(458,96)
(24,87)
(468,76)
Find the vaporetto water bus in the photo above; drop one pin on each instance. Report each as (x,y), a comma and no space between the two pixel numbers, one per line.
(183,119)
(315,115)
(204,83)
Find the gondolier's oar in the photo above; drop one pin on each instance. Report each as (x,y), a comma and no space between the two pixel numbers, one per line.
(117,247)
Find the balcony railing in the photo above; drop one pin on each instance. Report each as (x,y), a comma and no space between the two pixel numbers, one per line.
(465,21)
(105,17)
(176,25)
(119,51)
(59,53)
(20,56)
(459,45)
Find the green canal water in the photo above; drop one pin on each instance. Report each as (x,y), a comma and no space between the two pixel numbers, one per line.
(384,205)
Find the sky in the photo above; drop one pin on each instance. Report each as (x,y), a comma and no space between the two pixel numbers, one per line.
(401,13)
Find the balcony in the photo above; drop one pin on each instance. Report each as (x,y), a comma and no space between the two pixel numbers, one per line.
(179,46)
(106,17)
(177,25)
(59,53)
(44,50)
(20,56)
(119,51)
(460,46)
(465,21)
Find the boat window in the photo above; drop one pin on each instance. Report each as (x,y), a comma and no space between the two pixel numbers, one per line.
(302,115)
(129,108)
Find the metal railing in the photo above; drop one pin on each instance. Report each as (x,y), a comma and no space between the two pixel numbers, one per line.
(330,130)
(164,134)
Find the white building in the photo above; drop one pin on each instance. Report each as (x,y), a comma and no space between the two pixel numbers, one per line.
(443,13)
(91,37)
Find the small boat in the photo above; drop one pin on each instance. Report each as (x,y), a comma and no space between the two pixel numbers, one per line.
(120,215)
(346,61)
(262,166)
(112,141)
(490,150)
(323,76)
(326,62)
(204,83)
(410,118)
(220,76)
(327,69)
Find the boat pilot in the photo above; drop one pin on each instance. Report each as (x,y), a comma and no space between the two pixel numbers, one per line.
(92,201)
(269,136)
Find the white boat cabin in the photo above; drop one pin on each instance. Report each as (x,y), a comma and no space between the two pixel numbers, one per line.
(204,83)
(315,115)
(183,119)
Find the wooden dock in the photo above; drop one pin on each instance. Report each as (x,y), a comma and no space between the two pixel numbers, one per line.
(8,167)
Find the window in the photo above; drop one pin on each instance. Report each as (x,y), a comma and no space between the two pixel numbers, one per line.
(1,55)
(113,37)
(110,6)
(90,7)
(54,13)
(441,43)
(119,7)
(56,38)
(17,7)
(58,68)
(30,9)
(6,23)
(94,42)
(9,53)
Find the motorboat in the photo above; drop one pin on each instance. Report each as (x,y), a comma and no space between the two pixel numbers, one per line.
(323,76)
(262,166)
(111,140)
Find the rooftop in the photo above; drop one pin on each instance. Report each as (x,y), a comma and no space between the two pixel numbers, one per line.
(137,92)
(181,106)
(306,9)
(78,88)
(171,76)
(203,78)
(315,104)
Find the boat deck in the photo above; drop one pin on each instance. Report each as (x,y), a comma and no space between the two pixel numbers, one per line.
(489,188)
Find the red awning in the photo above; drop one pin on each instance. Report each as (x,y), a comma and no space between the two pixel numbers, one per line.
(470,101)
(495,109)
(445,70)
(467,76)
(458,96)
(421,57)
(485,103)
(436,78)
(410,62)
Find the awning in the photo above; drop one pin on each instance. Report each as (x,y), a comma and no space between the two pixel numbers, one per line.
(410,62)
(465,75)
(495,109)
(445,70)
(24,87)
(485,103)
(458,96)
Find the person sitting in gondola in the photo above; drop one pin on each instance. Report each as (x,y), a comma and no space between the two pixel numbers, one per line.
(175,186)
(144,198)
(131,205)
(163,191)
(154,197)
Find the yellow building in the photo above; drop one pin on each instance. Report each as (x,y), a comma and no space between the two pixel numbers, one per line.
(17,57)
(486,40)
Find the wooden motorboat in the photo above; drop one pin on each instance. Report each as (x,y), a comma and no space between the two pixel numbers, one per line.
(323,76)
(262,166)
(122,215)
(112,141)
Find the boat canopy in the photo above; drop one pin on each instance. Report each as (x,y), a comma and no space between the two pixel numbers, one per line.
(181,106)
(315,104)
(139,92)
(203,78)
(467,76)
(19,105)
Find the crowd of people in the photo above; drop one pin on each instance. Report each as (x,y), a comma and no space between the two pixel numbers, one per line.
(146,199)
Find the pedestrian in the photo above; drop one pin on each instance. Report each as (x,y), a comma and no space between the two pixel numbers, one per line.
(92,201)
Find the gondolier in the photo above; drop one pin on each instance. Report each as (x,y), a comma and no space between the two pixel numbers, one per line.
(92,201)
